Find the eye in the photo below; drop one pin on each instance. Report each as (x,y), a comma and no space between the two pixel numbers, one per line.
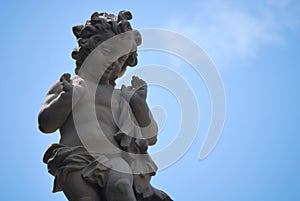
(106,51)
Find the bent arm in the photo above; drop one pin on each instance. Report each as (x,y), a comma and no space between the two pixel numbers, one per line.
(144,119)
(55,109)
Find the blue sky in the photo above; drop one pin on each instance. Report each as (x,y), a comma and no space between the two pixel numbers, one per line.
(255,47)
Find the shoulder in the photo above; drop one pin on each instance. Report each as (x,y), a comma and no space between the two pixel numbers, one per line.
(75,80)
(56,87)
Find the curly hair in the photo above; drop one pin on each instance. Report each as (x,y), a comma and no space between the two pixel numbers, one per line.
(96,30)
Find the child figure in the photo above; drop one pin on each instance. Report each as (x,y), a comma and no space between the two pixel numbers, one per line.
(104,132)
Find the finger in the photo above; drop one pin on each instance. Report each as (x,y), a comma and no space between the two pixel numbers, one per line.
(135,81)
(123,88)
(135,78)
(138,80)
(62,79)
(66,85)
(65,76)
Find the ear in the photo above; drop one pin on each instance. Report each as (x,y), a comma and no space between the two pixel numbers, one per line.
(77,30)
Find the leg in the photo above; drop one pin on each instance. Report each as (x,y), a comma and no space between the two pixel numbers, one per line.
(119,187)
(77,189)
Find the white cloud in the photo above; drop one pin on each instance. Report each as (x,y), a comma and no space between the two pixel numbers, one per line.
(227,30)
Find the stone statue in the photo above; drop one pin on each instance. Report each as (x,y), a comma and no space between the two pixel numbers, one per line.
(104,132)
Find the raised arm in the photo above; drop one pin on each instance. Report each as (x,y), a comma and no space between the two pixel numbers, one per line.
(145,120)
(57,105)
(136,95)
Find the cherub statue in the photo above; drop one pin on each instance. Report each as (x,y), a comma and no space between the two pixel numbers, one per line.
(104,132)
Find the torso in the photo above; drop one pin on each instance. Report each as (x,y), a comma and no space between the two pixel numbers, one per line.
(91,122)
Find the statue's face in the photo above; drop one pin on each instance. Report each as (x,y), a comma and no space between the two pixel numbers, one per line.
(114,69)
(111,52)
(116,50)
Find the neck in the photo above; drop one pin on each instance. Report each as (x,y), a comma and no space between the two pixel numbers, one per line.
(85,74)
(92,78)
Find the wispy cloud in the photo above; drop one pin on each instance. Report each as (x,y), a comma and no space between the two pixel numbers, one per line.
(227,30)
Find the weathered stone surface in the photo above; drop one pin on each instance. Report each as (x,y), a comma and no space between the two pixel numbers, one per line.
(104,132)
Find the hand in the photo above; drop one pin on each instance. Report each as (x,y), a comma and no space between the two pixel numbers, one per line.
(66,83)
(140,87)
(137,90)
(73,87)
